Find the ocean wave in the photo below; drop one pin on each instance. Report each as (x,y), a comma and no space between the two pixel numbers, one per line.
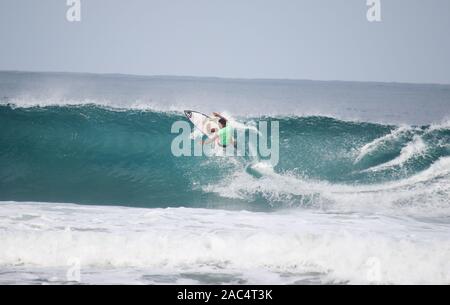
(137,105)
(375,144)
(415,148)
(426,193)
(96,155)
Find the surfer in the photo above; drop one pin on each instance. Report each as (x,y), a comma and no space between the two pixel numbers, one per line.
(224,135)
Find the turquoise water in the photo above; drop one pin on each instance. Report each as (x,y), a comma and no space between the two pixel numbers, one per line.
(91,154)
(361,192)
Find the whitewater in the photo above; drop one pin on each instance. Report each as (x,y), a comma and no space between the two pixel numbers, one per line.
(360,195)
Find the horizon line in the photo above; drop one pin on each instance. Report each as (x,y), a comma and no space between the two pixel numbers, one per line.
(224,78)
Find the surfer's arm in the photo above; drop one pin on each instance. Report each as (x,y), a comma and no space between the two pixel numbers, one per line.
(208,141)
(219,115)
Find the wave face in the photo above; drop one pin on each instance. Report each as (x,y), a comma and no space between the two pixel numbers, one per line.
(91,154)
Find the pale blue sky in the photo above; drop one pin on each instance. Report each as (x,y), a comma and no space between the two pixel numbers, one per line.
(297,39)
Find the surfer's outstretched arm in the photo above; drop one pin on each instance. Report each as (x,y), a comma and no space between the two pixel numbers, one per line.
(208,141)
(219,116)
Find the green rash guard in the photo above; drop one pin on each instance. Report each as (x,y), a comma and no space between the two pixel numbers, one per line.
(225,135)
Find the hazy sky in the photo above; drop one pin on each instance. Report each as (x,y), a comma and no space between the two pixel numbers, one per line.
(299,39)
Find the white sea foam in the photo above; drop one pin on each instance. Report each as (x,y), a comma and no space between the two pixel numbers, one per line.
(444,125)
(29,102)
(375,144)
(426,193)
(414,148)
(250,247)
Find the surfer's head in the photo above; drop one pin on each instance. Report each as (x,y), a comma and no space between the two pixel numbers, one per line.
(222,123)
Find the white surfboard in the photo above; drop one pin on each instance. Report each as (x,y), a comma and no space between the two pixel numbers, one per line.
(205,124)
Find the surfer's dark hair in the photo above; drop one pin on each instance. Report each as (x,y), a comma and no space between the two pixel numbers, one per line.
(223,121)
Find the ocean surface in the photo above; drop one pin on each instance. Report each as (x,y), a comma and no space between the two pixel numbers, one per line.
(91,193)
